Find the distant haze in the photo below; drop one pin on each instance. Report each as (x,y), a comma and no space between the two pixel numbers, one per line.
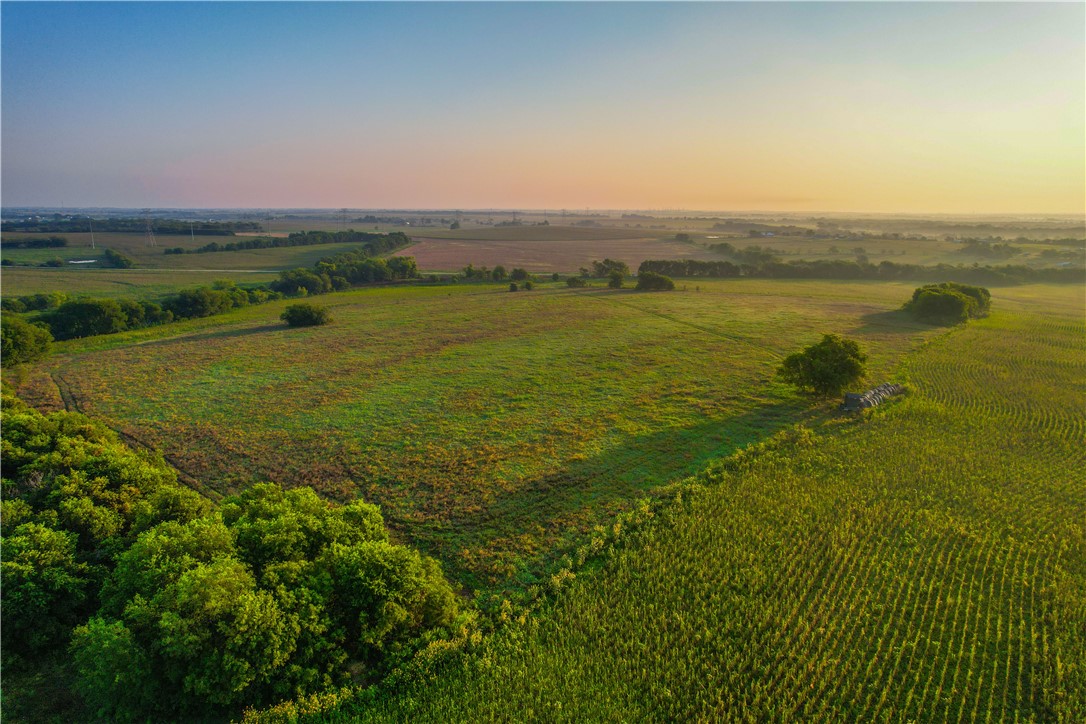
(899,107)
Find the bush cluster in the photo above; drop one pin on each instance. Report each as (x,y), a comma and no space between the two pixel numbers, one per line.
(847,269)
(949,303)
(306,315)
(651,281)
(21,341)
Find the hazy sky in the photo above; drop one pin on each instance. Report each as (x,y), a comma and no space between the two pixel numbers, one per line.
(778,106)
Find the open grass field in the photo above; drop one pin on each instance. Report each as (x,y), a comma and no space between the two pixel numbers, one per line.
(127,283)
(488,425)
(926,562)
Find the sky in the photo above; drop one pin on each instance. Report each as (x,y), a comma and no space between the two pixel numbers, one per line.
(791,107)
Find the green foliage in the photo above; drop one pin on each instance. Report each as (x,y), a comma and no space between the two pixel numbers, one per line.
(513,287)
(44,586)
(949,303)
(826,367)
(300,282)
(174,611)
(267,599)
(648,281)
(86,318)
(604,269)
(305,315)
(518,274)
(576,282)
(21,342)
(615,279)
(116,259)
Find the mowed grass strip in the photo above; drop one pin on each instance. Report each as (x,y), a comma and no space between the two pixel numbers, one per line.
(488,425)
(924,563)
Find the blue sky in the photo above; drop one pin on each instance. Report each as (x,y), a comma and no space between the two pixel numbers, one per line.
(904,106)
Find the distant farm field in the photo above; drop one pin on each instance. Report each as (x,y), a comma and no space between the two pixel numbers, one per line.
(546,250)
(925,562)
(130,283)
(489,425)
(135,247)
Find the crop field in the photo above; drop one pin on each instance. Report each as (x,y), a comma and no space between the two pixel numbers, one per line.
(546,250)
(488,425)
(925,562)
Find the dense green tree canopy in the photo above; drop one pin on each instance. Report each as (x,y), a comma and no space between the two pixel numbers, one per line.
(173,610)
(653,282)
(949,303)
(305,315)
(826,367)
(22,342)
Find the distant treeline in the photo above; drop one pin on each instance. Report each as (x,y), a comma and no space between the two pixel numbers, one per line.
(975,247)
(886,270)
(374,243)
(131,225)
(52,242)
(85,317)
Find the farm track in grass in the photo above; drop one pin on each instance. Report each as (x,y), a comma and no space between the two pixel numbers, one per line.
(488,425)
(924,562)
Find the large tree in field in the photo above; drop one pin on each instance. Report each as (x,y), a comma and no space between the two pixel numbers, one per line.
(826,367)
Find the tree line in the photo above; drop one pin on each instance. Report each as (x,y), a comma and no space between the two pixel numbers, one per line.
(62,318)
(51,242)
(847,269)
(173,608)
(85,224)
(373,243)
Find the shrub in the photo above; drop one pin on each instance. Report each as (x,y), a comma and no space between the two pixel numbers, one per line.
(826,367)
(305,315)
(603,269)
(614,280)
(86,318)
(513,287)
(116,259)
(653,282)
(576,282)
(528,286)
(518,274)
(949,303)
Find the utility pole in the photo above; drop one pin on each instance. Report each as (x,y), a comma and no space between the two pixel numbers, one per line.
(149,226)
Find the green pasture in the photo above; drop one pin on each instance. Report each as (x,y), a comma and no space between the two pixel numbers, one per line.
(922,562)
(135,247)
(132,283)
(488,425)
